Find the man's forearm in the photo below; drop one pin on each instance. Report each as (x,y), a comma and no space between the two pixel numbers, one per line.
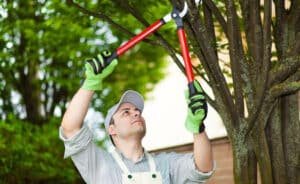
(76,111)
(203,152)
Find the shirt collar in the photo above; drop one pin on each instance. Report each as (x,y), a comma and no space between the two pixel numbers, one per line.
(143,157)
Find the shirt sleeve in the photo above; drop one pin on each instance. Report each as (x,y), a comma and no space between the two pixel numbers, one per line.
(83,151)
(183,169)
(77,142)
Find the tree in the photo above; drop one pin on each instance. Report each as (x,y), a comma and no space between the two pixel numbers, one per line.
(43,47)
(260,106)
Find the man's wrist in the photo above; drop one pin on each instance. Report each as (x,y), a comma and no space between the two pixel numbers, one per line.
(201,128)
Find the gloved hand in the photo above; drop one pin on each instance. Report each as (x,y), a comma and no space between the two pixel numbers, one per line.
(96,69)
(197,110)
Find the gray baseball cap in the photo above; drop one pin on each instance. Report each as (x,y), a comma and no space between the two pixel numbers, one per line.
(128,96)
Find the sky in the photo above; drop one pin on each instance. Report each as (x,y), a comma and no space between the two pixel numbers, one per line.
(165,111)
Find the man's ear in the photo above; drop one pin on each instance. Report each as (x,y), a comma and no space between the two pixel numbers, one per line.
(111,130)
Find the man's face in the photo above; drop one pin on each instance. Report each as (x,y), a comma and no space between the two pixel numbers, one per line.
(128,122)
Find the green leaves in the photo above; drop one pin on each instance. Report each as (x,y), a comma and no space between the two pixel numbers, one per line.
(43,45)
(32,153)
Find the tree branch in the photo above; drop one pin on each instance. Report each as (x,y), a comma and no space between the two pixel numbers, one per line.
(296,48)
(267,41)
(294,12)
(45,103)
(253,33)
(285,88)
(267,44)
(106,18)
(126,5)
(288,87)
(163,42)
(295,77)
(287,67)
(208,98)
(276,77)
(236,53)
(217,14)
(206,53)
(279,26)
(253,29)
(211,102)
(260,118)
(209,24)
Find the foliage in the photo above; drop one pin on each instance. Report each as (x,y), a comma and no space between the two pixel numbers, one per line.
(33,154)
(43,43)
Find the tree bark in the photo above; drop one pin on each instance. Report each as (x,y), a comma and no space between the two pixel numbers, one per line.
(291,137)
(274,136)
(244,161)
(30,89)
(261,149)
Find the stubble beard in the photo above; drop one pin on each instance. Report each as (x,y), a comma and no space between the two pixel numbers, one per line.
(140,129)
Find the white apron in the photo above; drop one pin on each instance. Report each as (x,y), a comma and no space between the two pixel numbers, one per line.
(152,177)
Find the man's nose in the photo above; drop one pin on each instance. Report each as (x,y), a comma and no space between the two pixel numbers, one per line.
(136,113)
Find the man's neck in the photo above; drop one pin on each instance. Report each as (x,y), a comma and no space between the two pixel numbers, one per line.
(131,149)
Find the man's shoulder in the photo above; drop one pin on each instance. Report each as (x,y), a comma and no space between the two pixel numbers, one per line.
(165,155)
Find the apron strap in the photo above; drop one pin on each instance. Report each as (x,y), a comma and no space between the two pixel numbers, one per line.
(123,166)
(119,161)
(151,162)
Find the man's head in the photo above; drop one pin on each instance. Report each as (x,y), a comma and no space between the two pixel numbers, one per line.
(124,120)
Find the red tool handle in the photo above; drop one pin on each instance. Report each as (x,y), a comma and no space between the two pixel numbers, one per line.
(136,39)
(187,60)
(185,55)
(153,27)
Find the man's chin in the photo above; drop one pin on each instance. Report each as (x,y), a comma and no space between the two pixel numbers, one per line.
(141,132)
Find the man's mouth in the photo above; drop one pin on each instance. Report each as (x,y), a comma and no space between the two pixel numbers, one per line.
(138,121)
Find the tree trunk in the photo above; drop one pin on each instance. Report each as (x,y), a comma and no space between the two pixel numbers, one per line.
(274,136)
(259,142)
(244,160)
(32,101)
(291,137)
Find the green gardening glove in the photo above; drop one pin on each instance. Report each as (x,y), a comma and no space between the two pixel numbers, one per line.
(96,69)
(197,110)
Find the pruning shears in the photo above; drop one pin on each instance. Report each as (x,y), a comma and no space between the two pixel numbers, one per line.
(177,16)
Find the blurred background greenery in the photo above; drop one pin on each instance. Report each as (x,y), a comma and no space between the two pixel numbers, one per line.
(43,47)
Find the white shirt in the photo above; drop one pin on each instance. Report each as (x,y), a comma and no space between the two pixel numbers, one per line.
(98,166)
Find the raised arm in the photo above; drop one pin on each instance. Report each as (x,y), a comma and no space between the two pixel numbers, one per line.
(76,111)
(96,70)
(197,112)
(203,152)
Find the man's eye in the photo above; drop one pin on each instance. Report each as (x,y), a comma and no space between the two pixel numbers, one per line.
(125,112)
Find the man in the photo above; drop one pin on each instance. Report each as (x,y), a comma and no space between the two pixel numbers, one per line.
(128,162)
